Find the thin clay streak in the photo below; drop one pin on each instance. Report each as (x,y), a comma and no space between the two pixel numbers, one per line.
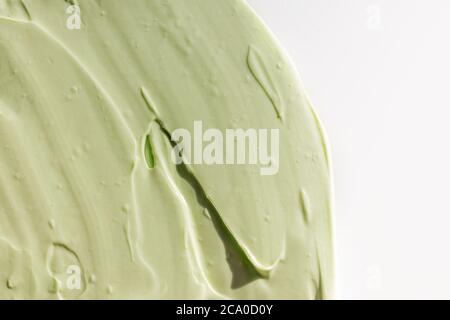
(25,9)
(305,206)
(262,76)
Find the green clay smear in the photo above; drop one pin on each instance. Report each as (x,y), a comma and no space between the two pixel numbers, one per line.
(88,188)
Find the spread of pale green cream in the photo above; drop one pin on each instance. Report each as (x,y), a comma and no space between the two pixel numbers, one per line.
(91,204)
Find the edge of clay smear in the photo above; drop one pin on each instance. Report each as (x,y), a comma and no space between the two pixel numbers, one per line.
(334,293)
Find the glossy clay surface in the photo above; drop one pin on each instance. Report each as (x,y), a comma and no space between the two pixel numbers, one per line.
(86,177)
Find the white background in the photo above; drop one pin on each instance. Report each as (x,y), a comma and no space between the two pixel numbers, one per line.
(378,73)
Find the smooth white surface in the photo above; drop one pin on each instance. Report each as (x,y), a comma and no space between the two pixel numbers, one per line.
(378,74)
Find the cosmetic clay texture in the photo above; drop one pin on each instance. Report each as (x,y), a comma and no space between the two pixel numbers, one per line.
(92,205)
